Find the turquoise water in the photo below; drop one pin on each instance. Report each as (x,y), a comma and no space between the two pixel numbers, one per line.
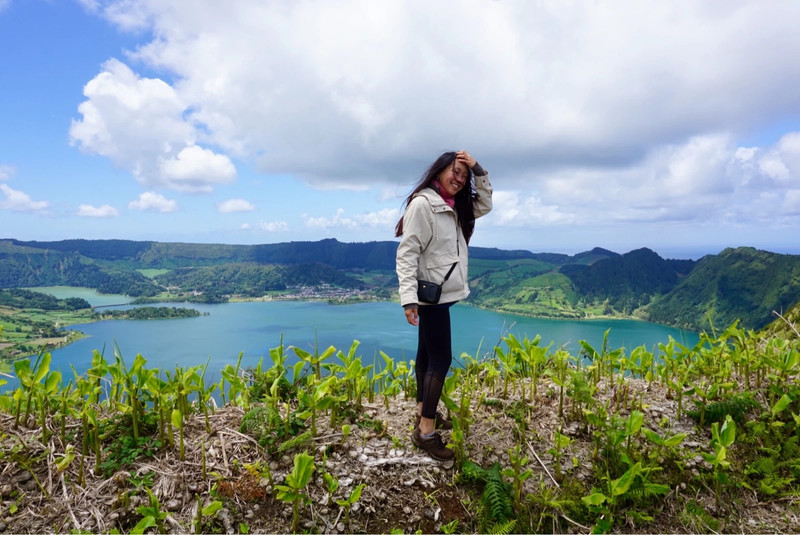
(95,299)
(254,328)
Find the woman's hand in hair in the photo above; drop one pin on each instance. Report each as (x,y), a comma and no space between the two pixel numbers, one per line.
(464,157)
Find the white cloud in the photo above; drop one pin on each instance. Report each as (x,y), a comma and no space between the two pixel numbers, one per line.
(588,114)
(235,205)
(383,218)
(791,202)
(106,210)
(139,124)
(151,201)
(195,169)
(517,210)
(707,179)
(267,226)
(6,172)
(349,92)
(4,4)
(18,201)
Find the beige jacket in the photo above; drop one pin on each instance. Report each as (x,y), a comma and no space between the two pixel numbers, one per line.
(432,241)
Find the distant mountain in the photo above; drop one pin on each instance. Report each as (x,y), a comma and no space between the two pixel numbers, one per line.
(491,253)
(743,283)
(254,280)
(627,281)
(590,257)
(24,266)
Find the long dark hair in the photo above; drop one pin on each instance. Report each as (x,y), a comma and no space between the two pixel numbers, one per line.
(464,198)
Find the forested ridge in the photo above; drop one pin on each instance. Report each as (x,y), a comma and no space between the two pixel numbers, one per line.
(742,283)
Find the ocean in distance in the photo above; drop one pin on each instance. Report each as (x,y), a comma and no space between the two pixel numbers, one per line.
(253,328)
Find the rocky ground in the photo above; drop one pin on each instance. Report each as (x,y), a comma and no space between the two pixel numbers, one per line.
(404,489)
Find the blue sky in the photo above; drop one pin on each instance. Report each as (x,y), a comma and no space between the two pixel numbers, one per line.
(668,125)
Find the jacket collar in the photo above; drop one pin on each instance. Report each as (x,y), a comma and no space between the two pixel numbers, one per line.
(435,200)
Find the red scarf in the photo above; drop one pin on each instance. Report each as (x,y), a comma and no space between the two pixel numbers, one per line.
(448,199)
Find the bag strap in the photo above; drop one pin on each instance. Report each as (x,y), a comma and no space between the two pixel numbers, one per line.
(449,272)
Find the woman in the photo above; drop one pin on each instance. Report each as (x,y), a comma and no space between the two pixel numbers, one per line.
(436,228)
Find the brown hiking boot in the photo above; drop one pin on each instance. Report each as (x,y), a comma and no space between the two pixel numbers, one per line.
(433,446)
(440,423)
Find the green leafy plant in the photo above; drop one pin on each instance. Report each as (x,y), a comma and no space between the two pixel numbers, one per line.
(347,503)
(517,472)
(152,516)
(721,440)
(605,503)
(560,443)
(205,514)
(296,481)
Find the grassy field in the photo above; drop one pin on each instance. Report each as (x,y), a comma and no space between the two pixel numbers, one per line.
(24,332)
(152,273)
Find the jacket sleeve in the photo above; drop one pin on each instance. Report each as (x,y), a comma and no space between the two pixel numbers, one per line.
(417,234)
(483,204)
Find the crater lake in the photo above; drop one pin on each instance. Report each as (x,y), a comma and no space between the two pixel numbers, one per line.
(253,328)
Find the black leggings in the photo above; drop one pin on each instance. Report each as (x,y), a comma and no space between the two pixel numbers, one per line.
(434,355)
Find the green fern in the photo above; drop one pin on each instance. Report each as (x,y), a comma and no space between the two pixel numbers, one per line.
(762,466)
(738,406)
(496,500)
(497,495)
(503,528)
(791,447)
(770,486)
(295,442)
(769,475)
(471,473)
(260,420)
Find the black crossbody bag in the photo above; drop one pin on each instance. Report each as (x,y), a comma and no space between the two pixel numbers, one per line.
(430,292)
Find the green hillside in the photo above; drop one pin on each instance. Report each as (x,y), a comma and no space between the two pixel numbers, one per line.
(785,326)
(627,282)
(254,280)
(25,266)
(528,287)
(743,283)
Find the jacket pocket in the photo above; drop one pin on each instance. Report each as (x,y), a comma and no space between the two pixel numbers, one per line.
(438,265)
